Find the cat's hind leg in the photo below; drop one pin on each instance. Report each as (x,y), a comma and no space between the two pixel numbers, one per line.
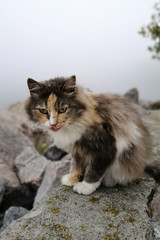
(108,180)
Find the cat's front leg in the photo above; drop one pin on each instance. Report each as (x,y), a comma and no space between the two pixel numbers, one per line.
(70,179)
(92,180)
(86,188)
(73,177)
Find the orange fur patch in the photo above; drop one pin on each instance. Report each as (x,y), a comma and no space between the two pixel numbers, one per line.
(51,102)
(40,117)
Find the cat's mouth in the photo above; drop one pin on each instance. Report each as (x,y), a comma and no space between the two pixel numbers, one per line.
(55,127)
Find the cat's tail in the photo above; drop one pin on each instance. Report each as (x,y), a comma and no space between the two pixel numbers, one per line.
(153,169)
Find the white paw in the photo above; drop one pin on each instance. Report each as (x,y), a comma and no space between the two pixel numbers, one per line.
(85,188)
(66,180)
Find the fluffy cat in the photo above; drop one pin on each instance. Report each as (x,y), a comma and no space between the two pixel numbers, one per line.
(104,132)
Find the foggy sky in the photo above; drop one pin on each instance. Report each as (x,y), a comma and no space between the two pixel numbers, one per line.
(96,40)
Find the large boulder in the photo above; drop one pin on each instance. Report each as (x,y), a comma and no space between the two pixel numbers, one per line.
(109,213)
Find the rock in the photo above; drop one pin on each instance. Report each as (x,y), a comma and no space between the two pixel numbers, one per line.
(54,153)
(2,189)
(155,205)
(52,178)
(31,166)
(154,124)
(13,213)
(155,105)
(145,104)
(109,213)
(18,109)
(7,177)
(14,136)
(22,195)
(132,95)
(156,231)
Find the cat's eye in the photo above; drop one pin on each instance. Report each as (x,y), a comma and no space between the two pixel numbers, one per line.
(62,110)
(43,110)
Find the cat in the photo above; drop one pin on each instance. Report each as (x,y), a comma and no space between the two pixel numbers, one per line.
(105,134)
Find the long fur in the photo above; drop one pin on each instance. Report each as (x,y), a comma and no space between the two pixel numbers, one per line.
(108,140)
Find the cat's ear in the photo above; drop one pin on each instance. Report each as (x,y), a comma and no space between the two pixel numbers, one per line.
(69,86)
(35,88)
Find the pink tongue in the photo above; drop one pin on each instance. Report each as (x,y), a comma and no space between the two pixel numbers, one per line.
(55,127)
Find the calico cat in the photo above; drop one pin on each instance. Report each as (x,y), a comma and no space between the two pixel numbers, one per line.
(105,134)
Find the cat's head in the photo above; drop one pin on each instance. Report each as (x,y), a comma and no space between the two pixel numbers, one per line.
(54,103)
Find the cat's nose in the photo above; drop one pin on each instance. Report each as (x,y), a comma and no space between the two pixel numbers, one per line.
(53,122)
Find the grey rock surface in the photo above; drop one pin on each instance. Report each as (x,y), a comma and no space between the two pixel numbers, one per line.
(155,205)
(31,166)
(156,231)
(145,104)
(113,213)
(14,135)
(7,177)
(2,189)
(13,213)
(52,178)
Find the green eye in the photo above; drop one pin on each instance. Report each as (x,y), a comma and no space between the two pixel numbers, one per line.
(43,111)
(62,110)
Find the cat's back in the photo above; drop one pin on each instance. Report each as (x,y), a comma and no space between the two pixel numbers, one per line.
(123,116)
(115,105)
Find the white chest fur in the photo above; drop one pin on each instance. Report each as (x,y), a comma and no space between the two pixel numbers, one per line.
(65,138)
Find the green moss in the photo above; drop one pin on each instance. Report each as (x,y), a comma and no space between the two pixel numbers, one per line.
(61,231)
(55,210)
(109,236)
(83,228)
(66,189)
(131,219)
(45,226)
(111,225)
(94,199)
(40,147)
(111,210)
(64,199)
(56,197)
(24,227)
(51,201)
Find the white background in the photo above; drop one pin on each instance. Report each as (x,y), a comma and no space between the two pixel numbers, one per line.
(97,40)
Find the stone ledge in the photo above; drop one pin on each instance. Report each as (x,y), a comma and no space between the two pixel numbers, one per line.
(109,213)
